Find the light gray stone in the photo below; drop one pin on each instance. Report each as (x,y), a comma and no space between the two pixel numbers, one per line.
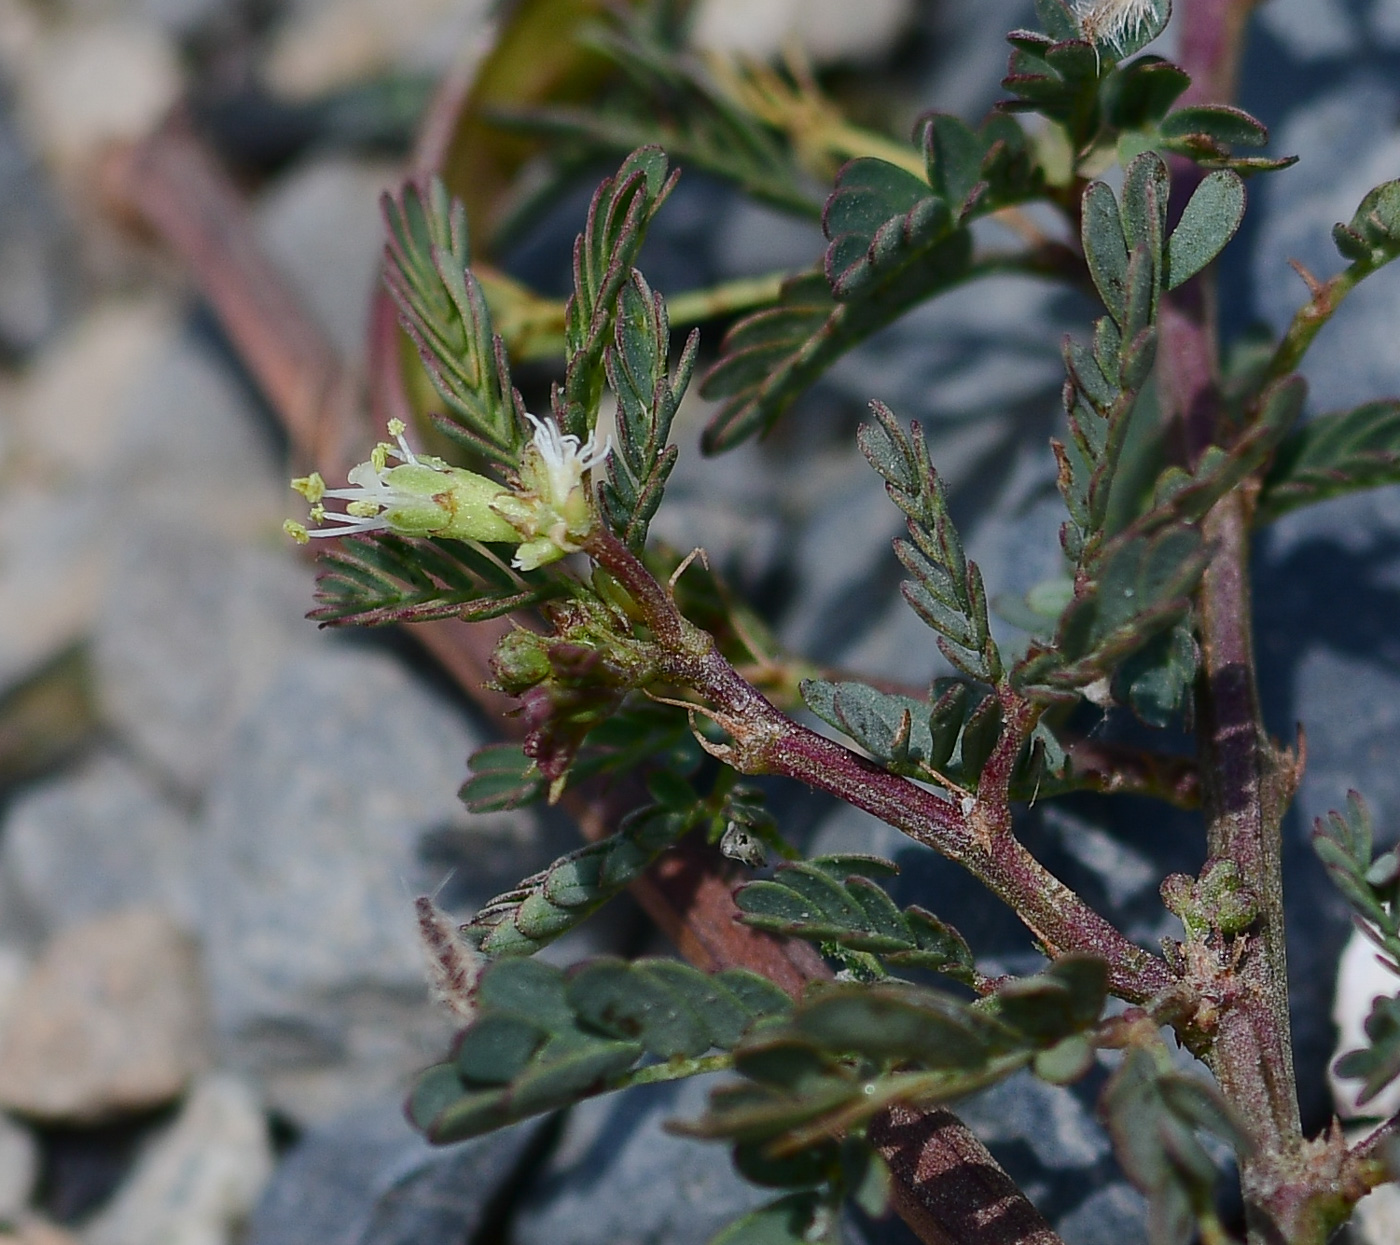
(367,1179)
(618,1178)
(51,575)
(14,968)
(321,223)
(193,628)
(192,449)
(1048,1118)
(196,1182)
(39,282)
(1344,153)
(1108,1216)
(1312,29)
(19,1169)
(96,840)
(111,1020)
(313,833)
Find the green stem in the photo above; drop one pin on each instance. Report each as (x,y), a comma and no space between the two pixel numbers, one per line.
(533,327)
(1309,319)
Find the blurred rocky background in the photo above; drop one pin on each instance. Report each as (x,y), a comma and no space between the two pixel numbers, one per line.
(213,817)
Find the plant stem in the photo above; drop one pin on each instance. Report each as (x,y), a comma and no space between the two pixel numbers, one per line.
(171,184)
(1246,782)
(976,834)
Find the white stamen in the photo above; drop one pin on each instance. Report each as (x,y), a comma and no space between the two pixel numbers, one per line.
(564,458)
(1114,22)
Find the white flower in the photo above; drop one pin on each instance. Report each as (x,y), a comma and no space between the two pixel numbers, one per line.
(553,510)
(1115,22)
(417,496)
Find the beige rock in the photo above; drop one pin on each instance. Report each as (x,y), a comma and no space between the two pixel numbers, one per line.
(327,45)
(92,83)
(33,1230)
(111,1019)
(200,1179)
(14,967)
(826,30)
(69,409)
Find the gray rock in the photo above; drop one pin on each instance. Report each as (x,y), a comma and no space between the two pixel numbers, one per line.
(111,1020)
(197,1182)
(368,1179)
(193,628)
(1312,29)
(618,1178)
(191,448)
(313,833)
(1343,155)
(39,280)
(1108,1216)
(14,968)
(322,224)
(1048,1118)
(96,840)
(51,575)
(19,1169)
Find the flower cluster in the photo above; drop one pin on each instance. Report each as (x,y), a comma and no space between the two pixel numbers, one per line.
(552,510)
(398,491)
(1114,22)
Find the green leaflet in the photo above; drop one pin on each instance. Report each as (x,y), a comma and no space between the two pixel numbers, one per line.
(835,900)
(1331,456)
(543,1038)
(1154,1114)
(444,312)
(379,579)
(647,398)
(895,241)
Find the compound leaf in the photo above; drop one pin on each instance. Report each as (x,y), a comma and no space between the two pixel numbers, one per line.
(1333,455)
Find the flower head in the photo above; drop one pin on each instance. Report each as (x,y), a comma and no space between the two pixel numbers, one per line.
(416,495)
(552,510)
(1115,22)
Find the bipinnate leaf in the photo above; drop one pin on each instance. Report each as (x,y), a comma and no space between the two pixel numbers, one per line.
(444,312)
(373,580)
(1143,588)
(836,900)
(637,368)
(1344,843)
(542,1039)
(1376,1065)
(944,588)
(701,125)
(1154,1115)
(550,903)
(895,241)
(849,1050)
(604,255)
(1333,455)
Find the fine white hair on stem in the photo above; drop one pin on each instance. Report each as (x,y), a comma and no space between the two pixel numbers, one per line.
(1114,22)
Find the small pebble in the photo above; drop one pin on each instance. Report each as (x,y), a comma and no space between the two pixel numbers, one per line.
(110,1021)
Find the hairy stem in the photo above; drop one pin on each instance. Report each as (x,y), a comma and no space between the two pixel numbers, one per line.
(976,834)
(1245,781)
(171,185)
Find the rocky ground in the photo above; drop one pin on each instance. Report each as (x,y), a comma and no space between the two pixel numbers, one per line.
(214,816)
